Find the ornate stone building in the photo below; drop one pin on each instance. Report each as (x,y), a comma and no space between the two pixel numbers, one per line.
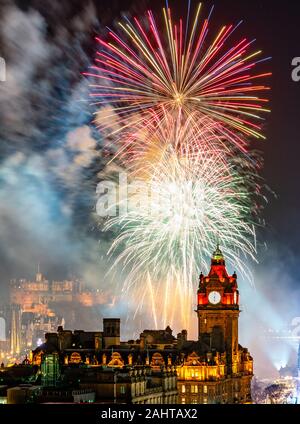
(212,369)
(217,369)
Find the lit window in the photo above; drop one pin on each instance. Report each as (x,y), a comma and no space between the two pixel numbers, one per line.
(183,400)
(192,389)
(122,390)
(204,389)
(196,389)
(205,401)
(183,388)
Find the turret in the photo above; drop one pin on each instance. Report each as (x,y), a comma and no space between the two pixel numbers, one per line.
(218,288)
(218,309)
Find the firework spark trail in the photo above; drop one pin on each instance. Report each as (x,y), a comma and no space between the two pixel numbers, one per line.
(180,110)
(142,69)
(191,200)
(184,135)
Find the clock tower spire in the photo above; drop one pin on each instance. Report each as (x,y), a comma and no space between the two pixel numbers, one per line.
(218,310)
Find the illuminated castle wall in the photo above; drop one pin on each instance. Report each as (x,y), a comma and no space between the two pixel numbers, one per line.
(35,296)
(38,307)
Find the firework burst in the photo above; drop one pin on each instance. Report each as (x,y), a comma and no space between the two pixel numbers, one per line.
(180,108)
(184,198)
(180,69)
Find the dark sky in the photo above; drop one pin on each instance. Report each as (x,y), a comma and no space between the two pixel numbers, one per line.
(275,25)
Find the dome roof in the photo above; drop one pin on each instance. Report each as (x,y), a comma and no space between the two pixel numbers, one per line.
(218,255)
(218,264)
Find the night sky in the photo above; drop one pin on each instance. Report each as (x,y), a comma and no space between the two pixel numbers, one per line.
(47,185)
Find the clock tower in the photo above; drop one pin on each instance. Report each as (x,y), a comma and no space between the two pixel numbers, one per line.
(218,311)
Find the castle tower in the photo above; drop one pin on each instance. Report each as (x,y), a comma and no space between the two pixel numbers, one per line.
(39,276)
(216,368)
(218,310)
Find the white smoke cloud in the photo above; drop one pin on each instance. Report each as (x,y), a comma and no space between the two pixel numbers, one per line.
(23,35)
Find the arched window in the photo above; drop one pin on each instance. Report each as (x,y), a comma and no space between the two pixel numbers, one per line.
(75,358)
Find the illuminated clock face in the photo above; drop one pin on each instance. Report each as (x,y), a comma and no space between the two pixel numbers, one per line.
(214,297)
